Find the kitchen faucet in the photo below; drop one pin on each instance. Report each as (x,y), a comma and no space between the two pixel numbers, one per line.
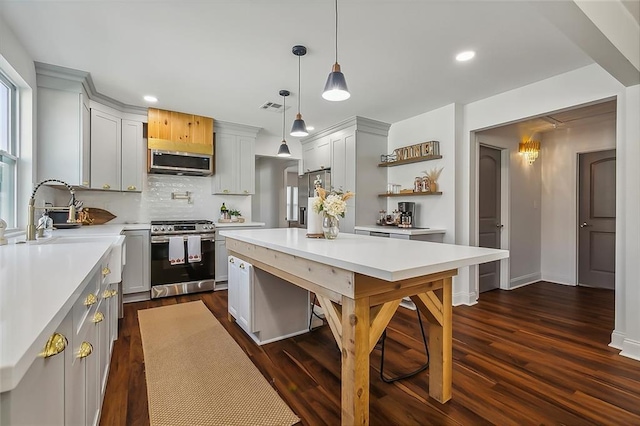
(31,227)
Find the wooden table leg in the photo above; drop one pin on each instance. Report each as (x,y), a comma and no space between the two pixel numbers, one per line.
(441,349)
(355,361)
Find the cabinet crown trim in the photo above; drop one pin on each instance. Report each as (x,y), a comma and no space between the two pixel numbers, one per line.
(235,129)
(361,124)
(84,78)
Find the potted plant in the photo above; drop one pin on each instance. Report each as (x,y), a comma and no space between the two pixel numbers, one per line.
(235,214)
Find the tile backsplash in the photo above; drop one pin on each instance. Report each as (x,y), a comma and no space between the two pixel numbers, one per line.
(155,202)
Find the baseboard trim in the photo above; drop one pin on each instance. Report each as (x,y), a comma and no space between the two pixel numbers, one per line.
(136,297)
(617,339)
(558,279)
(524,280)
(631,349)
(468,299)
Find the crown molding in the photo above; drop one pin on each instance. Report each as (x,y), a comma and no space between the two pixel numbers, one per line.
(84,78)
(361,124)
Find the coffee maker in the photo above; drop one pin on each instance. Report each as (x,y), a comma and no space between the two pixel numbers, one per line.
(407,211)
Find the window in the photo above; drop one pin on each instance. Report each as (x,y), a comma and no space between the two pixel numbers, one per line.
(292,203)
(8,151)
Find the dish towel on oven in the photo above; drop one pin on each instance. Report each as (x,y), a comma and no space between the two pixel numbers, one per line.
(193,248)
(176,250)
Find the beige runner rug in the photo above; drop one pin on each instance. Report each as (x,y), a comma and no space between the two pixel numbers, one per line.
(198,375)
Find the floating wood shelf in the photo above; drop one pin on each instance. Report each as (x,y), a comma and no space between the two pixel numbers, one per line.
(410,160)
(409,194)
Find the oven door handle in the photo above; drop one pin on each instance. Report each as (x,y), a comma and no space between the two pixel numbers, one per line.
(163,239)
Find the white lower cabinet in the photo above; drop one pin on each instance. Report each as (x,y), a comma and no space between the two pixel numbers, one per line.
(67,388)
(388,233)
(233,290)
(136,277)
(39,398)
(221,267)
(266,307)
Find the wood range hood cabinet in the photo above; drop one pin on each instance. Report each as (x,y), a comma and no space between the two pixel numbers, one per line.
(178,133)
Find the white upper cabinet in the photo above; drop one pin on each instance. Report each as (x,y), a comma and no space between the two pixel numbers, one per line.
(83,143)
(63,131)
(133,156)
(106,147)
(117,150)
(354,147)
(234,153)
(316,155)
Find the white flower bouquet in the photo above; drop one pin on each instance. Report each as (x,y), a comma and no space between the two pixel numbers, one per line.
(331,203)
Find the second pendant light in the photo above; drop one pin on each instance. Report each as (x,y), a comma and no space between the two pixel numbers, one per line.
(299,128)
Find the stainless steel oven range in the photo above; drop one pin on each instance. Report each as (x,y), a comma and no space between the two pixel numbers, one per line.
(189,275)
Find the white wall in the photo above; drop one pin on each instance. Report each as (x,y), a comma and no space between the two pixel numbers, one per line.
(627,333)
(155,203)
(560,149)
(19,66)
(585,85)
(437,211)
(269,203)
(523,224)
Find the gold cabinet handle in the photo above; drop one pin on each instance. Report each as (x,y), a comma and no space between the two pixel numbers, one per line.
(231,261)
(131,188)
(226,191)
(98,317)
(106,271)
(85,183)
(85,350)
(246,192)
(242,266)
(90,300)
(106,186)
(56,344)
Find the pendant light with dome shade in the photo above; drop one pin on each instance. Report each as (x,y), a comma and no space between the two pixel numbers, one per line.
(336,87)
(283,151)
(299,128)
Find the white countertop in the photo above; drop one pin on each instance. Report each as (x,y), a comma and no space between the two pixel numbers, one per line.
(401,231)
(238,224)
(39,282)
(385,258)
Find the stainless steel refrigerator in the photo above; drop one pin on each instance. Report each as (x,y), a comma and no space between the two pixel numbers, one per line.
(306,187)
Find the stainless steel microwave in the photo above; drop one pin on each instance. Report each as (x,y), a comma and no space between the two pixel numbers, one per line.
(181,163)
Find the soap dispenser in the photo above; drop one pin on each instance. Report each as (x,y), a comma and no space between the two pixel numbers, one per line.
(45,226)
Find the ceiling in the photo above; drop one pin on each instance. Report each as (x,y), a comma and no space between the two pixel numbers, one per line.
(224,59)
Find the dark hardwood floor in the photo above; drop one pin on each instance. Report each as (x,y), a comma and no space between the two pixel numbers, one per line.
(535,355)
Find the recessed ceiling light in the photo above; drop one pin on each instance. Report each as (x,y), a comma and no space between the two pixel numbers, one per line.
(150,98)
(465,56)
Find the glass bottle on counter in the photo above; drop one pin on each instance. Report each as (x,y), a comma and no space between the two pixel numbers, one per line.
(224,212)
(383,217)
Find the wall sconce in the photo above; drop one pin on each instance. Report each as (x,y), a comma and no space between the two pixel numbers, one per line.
(529,150)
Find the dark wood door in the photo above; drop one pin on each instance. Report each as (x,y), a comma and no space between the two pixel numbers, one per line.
(597,219)
(490,225)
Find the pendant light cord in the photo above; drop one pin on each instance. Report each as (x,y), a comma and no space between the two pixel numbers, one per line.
(299,84)
(284,109)
(336,4)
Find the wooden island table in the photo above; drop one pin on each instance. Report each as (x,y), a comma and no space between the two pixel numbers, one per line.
(360,282)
